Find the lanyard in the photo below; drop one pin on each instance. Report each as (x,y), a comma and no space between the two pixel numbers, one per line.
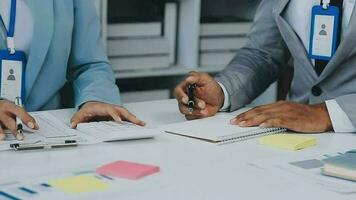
(11,32)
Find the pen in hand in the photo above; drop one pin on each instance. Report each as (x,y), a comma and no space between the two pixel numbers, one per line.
(19,125)
(191,97)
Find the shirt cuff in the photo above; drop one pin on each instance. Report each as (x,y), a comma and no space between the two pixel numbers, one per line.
(340,121)
(227,102)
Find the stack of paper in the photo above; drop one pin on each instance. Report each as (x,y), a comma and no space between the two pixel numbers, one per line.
(341,166)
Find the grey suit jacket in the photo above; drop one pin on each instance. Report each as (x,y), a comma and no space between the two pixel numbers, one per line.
(271,43)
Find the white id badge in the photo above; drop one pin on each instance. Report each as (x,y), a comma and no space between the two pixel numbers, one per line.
(324,32)
(12,69)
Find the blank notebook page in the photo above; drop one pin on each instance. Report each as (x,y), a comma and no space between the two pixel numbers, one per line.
(213,128)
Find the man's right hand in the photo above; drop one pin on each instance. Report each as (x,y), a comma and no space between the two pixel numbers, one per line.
(8,113)
(209,96)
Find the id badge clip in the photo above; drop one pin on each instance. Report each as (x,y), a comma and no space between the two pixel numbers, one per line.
(324,32)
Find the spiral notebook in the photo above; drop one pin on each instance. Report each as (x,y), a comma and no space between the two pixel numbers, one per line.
(218,130)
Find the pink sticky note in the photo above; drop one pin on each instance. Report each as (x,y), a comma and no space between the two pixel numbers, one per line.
(129,170)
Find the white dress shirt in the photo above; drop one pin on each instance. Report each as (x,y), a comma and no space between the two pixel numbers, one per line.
(298,15)
(23,24)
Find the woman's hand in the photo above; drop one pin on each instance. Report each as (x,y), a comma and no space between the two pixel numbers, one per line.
(102,111)
(8,113)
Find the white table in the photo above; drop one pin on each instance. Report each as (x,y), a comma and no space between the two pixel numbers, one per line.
(190,169)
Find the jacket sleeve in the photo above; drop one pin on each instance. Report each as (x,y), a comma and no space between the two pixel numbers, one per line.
(259,63)
(89,69)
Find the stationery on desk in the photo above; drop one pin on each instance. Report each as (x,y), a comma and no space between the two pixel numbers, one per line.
(342,166)
(191,97)
(55,134)
(218,130)
(79,184)
(288,141)
(19,125)
(108,178)
(128,170)
(215,129)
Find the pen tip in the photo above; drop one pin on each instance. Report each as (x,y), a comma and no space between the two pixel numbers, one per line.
(19,135)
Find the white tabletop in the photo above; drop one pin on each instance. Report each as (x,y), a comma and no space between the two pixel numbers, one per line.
(190,169)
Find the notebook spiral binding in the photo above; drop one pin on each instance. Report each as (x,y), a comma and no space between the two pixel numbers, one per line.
(237,138)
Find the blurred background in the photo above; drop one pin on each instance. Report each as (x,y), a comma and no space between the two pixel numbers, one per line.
(152,44)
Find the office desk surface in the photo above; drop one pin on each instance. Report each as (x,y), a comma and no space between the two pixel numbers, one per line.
(190,169)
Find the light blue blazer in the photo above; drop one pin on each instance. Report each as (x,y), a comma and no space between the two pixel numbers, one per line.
(66,46)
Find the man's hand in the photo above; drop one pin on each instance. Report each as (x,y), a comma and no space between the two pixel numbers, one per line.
(208,93)
(293,116)
(8,113)
(102,111)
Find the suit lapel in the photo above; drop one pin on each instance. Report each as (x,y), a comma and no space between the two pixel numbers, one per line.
(295,45)
(344,49)
(43,16)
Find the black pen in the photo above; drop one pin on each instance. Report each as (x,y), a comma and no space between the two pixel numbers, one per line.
(19,125)
(191,97)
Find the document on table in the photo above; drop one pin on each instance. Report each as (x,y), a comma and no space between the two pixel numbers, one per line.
(113,131)
(51,130)
(302,169)
(54,130)
(59,185)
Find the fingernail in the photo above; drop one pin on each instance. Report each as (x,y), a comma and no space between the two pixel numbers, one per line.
(19,136)
(242,124)
(190,78)
(201,104)
(31,125)
(263,125)
(118,119)
(233,121)
(72,125)
(185,99)
(36,126)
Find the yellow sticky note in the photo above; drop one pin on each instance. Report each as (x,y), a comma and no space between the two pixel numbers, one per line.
(288,141)
(79,184)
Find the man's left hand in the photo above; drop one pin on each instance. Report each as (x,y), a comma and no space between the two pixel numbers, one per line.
(102,111)
(293,116)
